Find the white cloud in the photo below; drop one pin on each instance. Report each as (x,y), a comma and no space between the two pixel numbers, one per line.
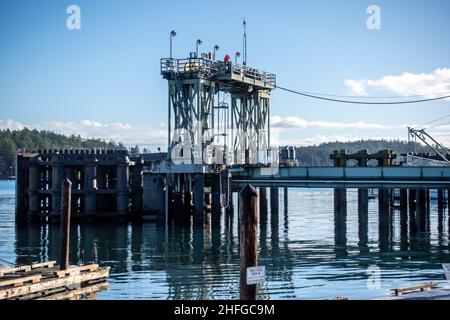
(357,87)
(293,122)
(428,85)
(11,125)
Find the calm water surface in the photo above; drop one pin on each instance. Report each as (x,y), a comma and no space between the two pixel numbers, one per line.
(304,255)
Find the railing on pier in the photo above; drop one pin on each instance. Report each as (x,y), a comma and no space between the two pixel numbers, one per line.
(207,67)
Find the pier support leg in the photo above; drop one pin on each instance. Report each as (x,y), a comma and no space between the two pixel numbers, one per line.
(286,199)
(274,214)
(403,200)
(263,201)
(57,178)
(440,199)
(421,209)
(248,212)
(199,198)
(178,208)
(33,188)
(230,209)
(412,200)
(363,216)
(412,194)
(384,201)
(216,207)
(274,200)
(340,220)
(363,200)
(122,188)
(384,218)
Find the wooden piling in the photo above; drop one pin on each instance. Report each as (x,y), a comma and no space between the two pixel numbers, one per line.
(363,201)
(65,223)
(274,200)
(263,200)
(403,200)
(363,216)
(440,199)
(286,199)
(248,212)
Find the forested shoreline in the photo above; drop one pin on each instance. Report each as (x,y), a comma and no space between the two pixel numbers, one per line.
(317,155)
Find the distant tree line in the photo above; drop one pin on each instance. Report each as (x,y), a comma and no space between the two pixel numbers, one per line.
(10,141)
(317,155)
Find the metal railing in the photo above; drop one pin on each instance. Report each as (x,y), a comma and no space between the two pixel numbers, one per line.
(209,68)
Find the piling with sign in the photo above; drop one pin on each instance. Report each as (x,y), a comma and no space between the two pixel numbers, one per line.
(248,212)
(65,223)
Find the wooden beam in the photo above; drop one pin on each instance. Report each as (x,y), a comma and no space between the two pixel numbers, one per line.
(76,293)
(13,270)
(75,270)
(20,281)
(48,264)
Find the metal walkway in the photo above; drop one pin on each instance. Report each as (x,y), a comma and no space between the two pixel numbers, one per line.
(348,177)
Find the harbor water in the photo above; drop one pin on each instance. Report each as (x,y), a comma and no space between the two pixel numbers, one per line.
(305,256)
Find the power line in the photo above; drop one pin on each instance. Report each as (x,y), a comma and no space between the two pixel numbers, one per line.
(372,97)
(441,118)
(361,102)
(439,125)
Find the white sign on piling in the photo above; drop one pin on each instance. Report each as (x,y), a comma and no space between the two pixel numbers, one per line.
(256,275)
(446,267)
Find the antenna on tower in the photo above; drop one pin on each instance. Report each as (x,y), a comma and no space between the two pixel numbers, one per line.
(245,43)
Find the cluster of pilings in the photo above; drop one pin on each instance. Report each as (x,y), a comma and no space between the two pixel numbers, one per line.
(414,201)
(197,197)
(105,183)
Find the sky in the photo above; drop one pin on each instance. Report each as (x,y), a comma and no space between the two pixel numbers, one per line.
(103,80)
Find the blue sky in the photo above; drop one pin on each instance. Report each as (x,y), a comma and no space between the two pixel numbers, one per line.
(104,79)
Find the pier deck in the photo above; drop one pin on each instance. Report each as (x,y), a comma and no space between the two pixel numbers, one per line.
(46,281)
(344,177)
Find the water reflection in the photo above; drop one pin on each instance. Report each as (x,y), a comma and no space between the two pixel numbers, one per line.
(309,250)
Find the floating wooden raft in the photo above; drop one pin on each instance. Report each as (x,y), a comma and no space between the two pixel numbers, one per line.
(46,281)
(414,288)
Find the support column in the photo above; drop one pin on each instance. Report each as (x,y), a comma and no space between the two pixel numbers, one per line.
(427,200)
(363,217)
(363,201)
(441,199)
(216,207)
(421,209)
(162,198)
(403,199)
(340,221)
(286,199)
(412,195)
(137,186)
(57,178)
(90,187)
(33,188)
(384,218)
(274,216)
(199,198)
(178,208)
(122,186)
(274,200)
(384,202)
(230,208)
(412,200)
(263,201)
